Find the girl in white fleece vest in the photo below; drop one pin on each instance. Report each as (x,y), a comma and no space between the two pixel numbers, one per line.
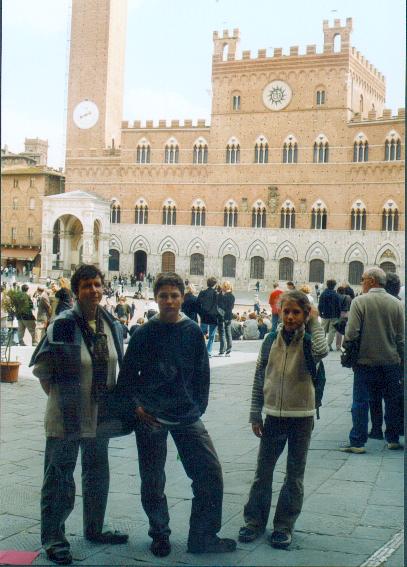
(283,388)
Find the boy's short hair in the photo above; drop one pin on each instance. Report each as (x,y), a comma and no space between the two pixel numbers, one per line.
(210,282)
(168,278)
(85,272)
(330,284)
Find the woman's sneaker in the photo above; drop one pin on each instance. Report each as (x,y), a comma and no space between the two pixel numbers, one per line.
(280,540)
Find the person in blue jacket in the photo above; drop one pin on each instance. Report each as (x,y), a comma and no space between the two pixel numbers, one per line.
(165,376)
(76,363)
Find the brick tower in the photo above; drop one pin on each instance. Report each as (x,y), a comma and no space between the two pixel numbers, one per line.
(96,75)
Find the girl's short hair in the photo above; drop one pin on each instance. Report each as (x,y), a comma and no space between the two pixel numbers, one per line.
(297,296)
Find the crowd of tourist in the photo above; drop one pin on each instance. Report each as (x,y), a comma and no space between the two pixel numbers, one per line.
(163,389)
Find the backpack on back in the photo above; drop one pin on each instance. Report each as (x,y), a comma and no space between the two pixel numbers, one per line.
(317,373)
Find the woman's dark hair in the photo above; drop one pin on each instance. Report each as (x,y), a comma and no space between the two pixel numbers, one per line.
(341,290)
(85,272)
(393,284)
(210,282)
(297,296)
(168,278)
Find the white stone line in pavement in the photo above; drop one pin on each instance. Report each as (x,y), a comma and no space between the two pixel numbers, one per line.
(383,553)
(234,358)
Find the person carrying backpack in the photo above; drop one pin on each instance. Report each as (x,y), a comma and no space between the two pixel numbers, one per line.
(284,387)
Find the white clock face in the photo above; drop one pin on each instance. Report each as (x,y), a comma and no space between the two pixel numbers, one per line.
(277,95)
(85,114)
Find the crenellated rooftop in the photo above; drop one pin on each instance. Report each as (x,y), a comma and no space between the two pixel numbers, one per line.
(163,124)
(372,116)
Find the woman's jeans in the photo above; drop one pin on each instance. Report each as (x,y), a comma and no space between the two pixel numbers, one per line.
(225,332)
(277,432)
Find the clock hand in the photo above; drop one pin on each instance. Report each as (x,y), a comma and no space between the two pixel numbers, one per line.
(86,114)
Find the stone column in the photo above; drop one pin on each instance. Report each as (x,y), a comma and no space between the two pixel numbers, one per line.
(46,253)
(87,254)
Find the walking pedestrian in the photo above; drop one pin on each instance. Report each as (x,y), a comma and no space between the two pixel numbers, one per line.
(26,319)
(43,312)
(208,311)
(329,307)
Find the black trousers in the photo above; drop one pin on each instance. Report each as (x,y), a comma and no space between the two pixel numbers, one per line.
(201,463)
(277,432)
(58,489)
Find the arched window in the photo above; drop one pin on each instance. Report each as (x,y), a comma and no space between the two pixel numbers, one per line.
(171,152)
(197,264)
(287,215)
(318,216)
(358,216)
(229,266)
(141,213)
(320,97)
(390,217)
(286,269)
(56,237)
(356,270)
(168,262)
(388,267)
(290,151)
(200,154)
(143,152)
(321,150)
(114,260)
(257,268)
(230,215)
(316,271)
(261,150)
(259,215)
(236,102)
(198,214)
(360,149)
(233,151)
(169,214)
(392,147)
(115,213)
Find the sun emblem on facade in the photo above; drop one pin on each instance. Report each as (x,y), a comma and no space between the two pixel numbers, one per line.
(277,95)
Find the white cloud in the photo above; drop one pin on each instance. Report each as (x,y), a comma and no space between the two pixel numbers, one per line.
(148,104)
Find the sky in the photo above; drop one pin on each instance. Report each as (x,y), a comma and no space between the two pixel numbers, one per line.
(168,55)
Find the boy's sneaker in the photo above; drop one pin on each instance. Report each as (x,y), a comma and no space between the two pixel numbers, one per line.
(280,540)
(394,446)
(347,448)
(213,544)
(160,546)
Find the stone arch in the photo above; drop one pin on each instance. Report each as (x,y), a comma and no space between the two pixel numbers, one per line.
(229,247)
(168,244)
(140,243)
(193,249)
(116,243)
(317,251)
(286,250)
(257,248)
(356,252)
(387,252)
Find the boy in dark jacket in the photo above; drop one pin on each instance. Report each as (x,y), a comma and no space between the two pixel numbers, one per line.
(165,375)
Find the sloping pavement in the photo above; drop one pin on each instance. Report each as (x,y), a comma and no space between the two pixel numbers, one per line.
(353,507)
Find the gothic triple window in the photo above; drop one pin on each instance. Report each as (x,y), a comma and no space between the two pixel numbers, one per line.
(318,216)
(141,212)
(358,216)
(115,213)
(361,149)
(259,215)
(261,150)
(392,147)
(287,215)
(143,152)
(198,214)
(200,154)
(230,215)
(233,151)
(171,152)
(390,217)
(290,150)
(169,213)
(321,150)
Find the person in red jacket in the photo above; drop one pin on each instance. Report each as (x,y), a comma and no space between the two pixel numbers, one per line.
(274,302)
